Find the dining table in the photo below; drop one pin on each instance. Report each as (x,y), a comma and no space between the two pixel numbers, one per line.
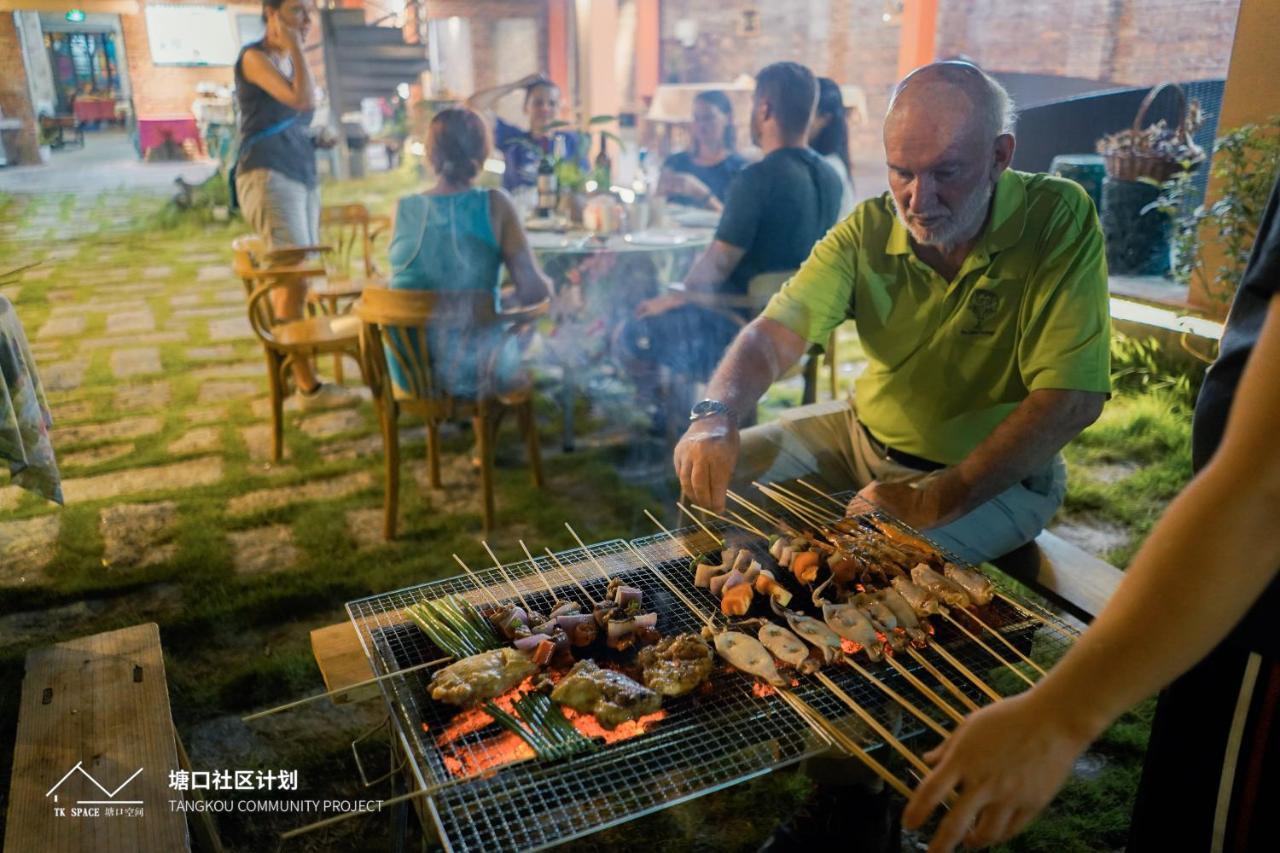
(24,413)
(599,281)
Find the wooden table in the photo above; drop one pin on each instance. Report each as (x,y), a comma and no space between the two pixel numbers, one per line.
(95,733)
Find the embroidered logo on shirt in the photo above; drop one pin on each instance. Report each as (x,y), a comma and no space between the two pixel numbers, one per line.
(983,305)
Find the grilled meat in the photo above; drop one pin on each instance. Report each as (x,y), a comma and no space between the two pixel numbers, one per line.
(676,665)
(906,616)
(787,647)
(474,679)
(919,599)
(976,584)
(745,653)
(826,641)
(610,696)
(947,590)
(852,624)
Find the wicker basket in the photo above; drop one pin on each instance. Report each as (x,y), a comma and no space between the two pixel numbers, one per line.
(1130,165)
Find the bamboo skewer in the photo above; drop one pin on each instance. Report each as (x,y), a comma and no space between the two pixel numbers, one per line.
(714,538)
(676,590)
(542,576)
(476,580)
(943,680)
(845,742)
(826,495)
(974,637)
(925,689)
(893,694)
(740,524)
(968,673)
(799,499)
(506,577)
(868,718)
(584,547)
(676,539)
(748,505)
(590,599)
(257,715)
(743,521)
(791,506)
(1031,610)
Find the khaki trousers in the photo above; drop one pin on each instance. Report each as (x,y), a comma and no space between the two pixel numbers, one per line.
(825,444)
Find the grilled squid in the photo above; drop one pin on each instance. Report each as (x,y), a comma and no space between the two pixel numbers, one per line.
(976,584)
(906,616)
(945,589)
(745,653)
(852,624)
(919,599)
(826,641)
(786,647)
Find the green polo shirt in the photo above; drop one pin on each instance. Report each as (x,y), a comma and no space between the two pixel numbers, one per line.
(948,361)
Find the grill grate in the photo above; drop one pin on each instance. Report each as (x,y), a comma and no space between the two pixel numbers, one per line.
(703,743)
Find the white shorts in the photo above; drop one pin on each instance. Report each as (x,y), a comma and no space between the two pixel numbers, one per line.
(282,211)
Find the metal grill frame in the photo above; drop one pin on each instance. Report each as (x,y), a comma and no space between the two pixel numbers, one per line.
(534,804)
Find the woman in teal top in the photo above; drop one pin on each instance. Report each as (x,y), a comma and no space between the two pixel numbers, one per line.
(457,236)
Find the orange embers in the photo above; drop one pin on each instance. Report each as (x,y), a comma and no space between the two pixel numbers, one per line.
(466,757)
(762,690)
(849,647)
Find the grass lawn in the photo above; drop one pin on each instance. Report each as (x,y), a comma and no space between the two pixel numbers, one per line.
(174,515)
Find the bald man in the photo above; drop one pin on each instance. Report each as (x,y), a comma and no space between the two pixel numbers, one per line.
(980,299)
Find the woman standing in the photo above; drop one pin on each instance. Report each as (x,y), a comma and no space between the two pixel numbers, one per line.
(829,136)
(457,236)
(700,176)
(523,149)
(276,170)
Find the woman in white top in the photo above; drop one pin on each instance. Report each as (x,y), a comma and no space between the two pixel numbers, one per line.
(829,136)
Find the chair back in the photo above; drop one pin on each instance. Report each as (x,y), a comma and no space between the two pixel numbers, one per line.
(249,261)
(351,232)
(394,328)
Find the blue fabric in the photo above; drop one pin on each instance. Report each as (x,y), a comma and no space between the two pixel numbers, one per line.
(446,242)
(289,152)
(522,161)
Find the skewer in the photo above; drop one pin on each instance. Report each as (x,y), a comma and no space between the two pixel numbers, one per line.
(584,547)
(792,507)
(541,575)
(893,694)
(815,719)
(943,680)
(741,524)
(799,499)
(826,495)
(714,538)
(476,580)
(991,651)
(748,505)
(968,673)
(871,721)
(669,585)
(674,538)
(924,689)
(744,522)
(506,577)
(1031,609)
(257,715)
(565,569)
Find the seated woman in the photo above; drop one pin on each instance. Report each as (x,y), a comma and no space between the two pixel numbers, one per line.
(700,176)
(829,136)
(456,237)
(523,149)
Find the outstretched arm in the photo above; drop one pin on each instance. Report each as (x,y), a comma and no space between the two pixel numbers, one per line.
(486,99)
(1009,759)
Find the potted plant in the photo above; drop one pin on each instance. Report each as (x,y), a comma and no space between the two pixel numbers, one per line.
(1246,161)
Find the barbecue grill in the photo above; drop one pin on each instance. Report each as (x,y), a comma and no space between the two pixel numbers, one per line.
(484,791)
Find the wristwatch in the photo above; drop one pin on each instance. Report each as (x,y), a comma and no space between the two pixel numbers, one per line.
(706,409)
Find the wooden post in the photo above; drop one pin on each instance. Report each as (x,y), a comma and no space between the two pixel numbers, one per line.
(1250,95)
(917,38)
(648,48)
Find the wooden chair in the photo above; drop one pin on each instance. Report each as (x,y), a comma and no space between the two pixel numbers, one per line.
(285,341)
(349,233)
(400,318)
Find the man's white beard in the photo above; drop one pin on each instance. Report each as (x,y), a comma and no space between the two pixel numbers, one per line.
(959,226)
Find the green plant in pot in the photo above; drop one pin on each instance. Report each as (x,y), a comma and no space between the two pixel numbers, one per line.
(1245,162)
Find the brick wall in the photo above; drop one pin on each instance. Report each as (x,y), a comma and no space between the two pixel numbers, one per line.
(1140,42)
(15,97)
(170,88)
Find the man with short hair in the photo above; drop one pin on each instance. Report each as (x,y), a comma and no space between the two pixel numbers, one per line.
(775,211)
(980,299)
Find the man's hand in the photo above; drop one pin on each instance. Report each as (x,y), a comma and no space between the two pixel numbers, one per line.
(705,458)
(660,304)
(919,505)
(1007,761)
(682,183)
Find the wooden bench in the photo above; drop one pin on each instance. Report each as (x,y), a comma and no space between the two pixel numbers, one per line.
(1073,579)
(95,733)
